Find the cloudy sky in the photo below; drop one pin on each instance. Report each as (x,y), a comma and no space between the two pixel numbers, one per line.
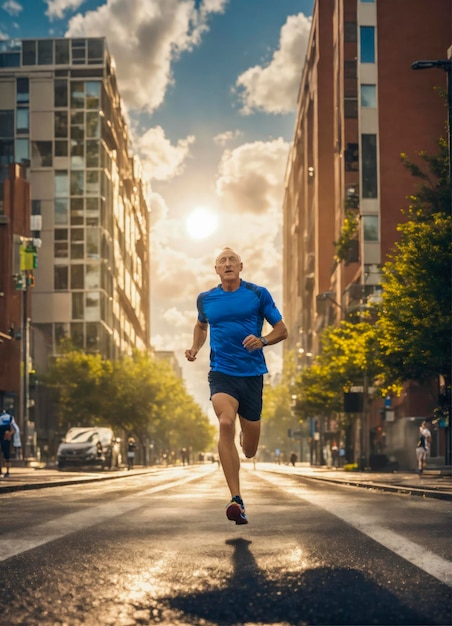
(210,91)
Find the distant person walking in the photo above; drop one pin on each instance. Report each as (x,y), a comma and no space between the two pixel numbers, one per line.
(131,447)
(17,443)
(7,431)
(235,311)
(423,447)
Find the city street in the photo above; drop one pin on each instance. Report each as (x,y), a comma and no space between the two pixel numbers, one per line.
(156,548)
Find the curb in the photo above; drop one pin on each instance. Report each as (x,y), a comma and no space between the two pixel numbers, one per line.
(423,492)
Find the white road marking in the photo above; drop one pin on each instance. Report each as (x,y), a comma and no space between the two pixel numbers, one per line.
(15,543)
(341,507)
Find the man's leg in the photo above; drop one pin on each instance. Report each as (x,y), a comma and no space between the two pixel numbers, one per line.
(250,439)
(225,407)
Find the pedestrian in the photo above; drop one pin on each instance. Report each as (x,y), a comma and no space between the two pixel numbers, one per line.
(131,447)
(17,444)
(7,431)
(335,454)
(235,311)
(423,447)
(293,458)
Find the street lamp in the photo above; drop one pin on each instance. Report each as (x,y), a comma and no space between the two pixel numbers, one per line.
(446,65)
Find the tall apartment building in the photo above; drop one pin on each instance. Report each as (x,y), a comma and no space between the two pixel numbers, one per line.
(360,106)
(61,118)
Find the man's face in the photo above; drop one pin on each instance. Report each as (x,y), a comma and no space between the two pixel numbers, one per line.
(228,265)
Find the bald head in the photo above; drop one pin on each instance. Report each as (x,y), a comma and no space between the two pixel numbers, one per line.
(227,253)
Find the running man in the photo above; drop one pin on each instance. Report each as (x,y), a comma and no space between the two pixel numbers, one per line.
(235,310)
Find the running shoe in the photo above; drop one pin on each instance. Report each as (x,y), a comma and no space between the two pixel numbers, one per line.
(235,511)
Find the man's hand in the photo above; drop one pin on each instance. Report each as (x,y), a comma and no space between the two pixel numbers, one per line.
(252,343)
(190,354)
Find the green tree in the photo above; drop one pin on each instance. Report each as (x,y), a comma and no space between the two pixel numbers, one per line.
(136,394)
(348,355)
(415,322)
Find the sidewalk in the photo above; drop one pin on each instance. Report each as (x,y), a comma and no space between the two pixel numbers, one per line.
(429,485)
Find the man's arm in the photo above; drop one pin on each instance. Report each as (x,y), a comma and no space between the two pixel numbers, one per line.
(278,333)
(199,339)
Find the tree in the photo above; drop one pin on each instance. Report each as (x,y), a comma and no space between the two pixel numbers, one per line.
(135,394)
(348,354)
(415,322)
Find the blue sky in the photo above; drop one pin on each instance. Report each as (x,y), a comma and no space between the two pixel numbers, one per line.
(209,88)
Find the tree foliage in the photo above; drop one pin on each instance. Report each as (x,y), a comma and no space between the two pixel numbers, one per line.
(415,322)
(348,354)
(135,394)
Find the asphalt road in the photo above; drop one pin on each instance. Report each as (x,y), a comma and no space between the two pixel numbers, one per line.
(156,548)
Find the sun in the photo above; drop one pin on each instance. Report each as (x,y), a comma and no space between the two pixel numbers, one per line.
(201,223)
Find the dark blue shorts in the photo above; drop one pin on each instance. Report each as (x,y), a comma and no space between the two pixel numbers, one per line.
(6,448)
(247,390)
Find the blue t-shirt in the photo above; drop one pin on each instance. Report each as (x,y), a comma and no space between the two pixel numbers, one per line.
(232,316)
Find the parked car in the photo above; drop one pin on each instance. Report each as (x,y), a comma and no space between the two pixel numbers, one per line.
(90,446)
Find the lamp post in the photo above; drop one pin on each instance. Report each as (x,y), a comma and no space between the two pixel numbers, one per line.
(446,65)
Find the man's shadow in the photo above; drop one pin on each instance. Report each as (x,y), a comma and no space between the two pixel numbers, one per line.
(324,595)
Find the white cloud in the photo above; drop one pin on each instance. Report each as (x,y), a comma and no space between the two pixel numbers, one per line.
(12,7)
(145,37)
(251,176)
(160,159)
(229,135)
(273,88)
(57,8)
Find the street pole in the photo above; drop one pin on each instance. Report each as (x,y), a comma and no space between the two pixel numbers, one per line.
(25,373)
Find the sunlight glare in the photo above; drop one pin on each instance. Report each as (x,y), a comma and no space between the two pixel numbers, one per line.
(201,223)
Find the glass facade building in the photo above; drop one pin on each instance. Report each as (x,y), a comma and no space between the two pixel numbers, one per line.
(60,116)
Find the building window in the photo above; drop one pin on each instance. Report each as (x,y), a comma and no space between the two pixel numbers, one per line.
(22,91)
(29,53)
(92,89)
(77,213)
(351,157)
(61,183)
(350,32)
(77,243)
(77,183)
(369,96)
(61,211)
(61,331)
(60,278)
(92,125)
(77,281)
(62,52)
(369,166)
(350,69)
(41,154)
(7,124)
(92,306)
(92,243)
(77,95)
(77,335)
(78,51)
(350,107)
(61,124)
(61,148)
(22,121)
(370,227)
(60,92)
(45,52)
(367,44)
(23,152)
(77,306)
(95,51)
